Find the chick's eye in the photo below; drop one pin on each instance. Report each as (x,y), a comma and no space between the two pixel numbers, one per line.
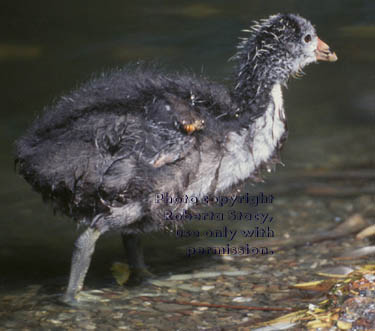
(307,38)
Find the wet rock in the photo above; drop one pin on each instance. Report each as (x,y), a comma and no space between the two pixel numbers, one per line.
(169,307)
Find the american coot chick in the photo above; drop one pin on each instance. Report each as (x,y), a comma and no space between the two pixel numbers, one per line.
(102,153)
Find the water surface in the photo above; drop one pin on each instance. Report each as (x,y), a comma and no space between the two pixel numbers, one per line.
(48,48)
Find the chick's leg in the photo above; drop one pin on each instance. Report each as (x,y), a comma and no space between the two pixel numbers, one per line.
(83,250)
(134,254)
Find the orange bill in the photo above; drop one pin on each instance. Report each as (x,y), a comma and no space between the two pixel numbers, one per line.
(324,53)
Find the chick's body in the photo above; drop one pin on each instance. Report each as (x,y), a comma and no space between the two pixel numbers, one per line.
(103,153)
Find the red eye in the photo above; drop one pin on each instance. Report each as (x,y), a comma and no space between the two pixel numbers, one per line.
(307,38)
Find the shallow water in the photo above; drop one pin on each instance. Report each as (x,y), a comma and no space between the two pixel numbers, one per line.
(46,49)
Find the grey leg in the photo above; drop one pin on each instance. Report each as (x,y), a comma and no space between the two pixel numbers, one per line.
(134,253)
(84,248)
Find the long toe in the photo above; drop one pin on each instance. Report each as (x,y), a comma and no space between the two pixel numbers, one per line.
(69,299)
(140,275)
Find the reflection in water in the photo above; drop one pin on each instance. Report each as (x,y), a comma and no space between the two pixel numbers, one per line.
(18,52)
